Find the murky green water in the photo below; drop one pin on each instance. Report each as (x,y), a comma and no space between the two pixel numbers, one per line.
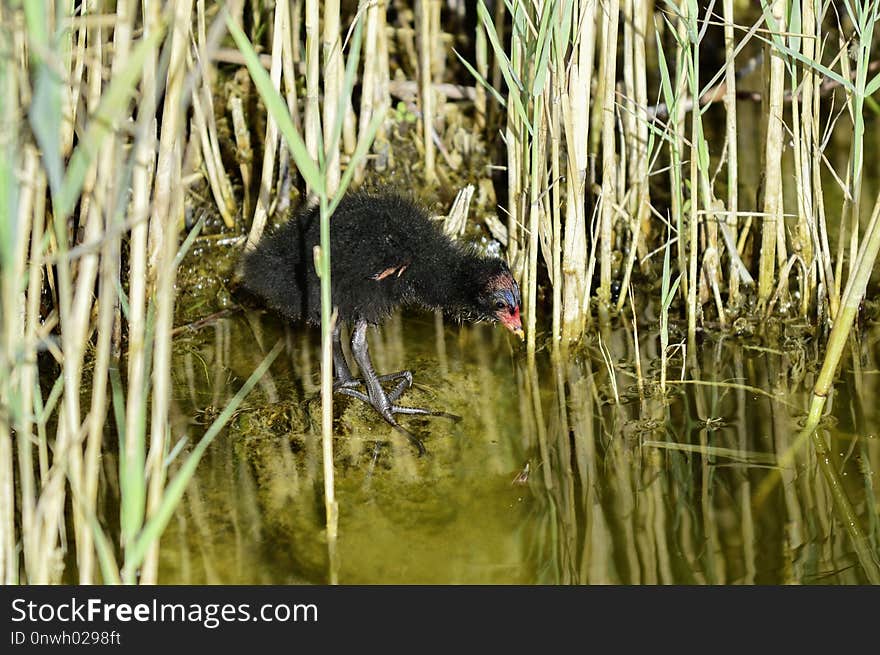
(556,474)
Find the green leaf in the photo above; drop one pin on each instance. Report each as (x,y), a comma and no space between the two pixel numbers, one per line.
(543,44)
(872,86)
(45,110)
(135,554)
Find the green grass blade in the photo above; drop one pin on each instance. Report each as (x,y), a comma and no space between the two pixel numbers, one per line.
(103,547)
(473,71)
(190,238)
(113,104)
(134,556)
(43,412)
(360,151)
(45,109)
(543,43)
(513,85)
(132,483)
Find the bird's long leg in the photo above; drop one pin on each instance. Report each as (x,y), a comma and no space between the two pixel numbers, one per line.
(376,396)
(344,378)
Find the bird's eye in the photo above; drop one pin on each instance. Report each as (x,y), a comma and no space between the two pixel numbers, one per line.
(500,304)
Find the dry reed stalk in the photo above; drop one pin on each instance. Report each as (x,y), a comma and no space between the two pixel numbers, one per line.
(481,57)
(536,214)
(312,125)
(805,236)
(575,305)
(15,325)
(349,129)
(165,222)
(203,125)
(827,281)
(75,291)
(286,164)
(143,174)
(330,170)
(382,93)
(244,151)
(514,134)
(29,486)
(553,90)
(700,192)
(608,67)
(371,99)
(690,69)
(677,145)
(9,561)
(425,9)
(203,99)
(772,220)
(732,144)
(845,226)
(641,10)
(635,122)
(105,203)
(331,45)
(75,65)
(270,143)
(628,119)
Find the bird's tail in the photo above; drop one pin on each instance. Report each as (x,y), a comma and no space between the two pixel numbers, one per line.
(270,271)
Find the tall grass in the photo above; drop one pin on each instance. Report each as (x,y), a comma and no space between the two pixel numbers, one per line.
(110,182)
(673,38)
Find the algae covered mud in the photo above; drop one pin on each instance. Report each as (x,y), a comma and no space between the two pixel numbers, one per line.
(565,472)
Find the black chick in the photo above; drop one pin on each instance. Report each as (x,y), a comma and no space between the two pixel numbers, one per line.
(385,252)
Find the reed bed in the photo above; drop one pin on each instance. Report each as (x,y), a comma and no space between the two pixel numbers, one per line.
(117,151)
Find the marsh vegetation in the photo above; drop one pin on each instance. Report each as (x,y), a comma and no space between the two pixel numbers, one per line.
(684,190)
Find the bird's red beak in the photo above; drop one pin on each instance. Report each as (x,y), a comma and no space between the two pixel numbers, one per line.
(513,322)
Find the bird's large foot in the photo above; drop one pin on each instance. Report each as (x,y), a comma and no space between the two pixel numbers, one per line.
(376,396)
(405,382)
(391,409)
(387,409)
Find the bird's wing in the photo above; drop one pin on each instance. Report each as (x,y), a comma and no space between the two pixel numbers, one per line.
(395,270)
(393,257)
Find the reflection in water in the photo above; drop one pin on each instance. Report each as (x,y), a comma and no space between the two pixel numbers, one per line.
(562,472)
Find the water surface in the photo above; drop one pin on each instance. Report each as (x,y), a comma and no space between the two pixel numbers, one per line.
(561,472)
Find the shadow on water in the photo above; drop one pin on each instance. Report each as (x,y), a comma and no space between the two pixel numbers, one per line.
(558,473)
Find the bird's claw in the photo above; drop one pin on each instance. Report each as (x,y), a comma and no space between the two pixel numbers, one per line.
(414,440)
(400,409)
(405,377)
(387,410)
